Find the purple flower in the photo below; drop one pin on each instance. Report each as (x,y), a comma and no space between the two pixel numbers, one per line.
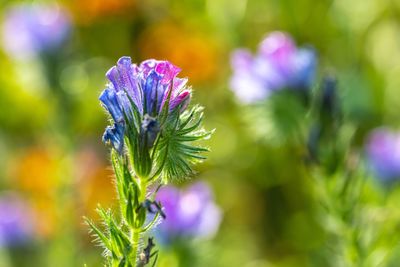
(146,89)
(30,29)
(15,221)
(383,153)
(278,64)
(189,213)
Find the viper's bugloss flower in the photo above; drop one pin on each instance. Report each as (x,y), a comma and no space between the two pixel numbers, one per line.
(278,64)
(154,141)
(190,213)
(383,153)
(15,222)
(30,29)
(145,89)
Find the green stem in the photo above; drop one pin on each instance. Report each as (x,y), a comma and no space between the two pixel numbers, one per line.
(135,245)
(143,189)
(135,233)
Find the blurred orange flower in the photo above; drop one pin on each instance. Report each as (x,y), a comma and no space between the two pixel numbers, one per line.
(35,173)
(87,11)
(195,53)
(40,174)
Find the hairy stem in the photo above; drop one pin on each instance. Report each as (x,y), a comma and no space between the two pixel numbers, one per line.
(135,245)
(135,233)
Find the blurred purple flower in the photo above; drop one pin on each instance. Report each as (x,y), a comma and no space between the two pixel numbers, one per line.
(15,221)
(144,88)
(189,213)
(383,153)
(278,64)
(30,29)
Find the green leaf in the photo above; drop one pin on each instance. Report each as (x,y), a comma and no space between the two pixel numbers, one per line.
(132,204)
(118,239)
(129,214)
(139,155)
(119,175)
(150,225)
(98,233)
(176,152)
(137,117)
(141,217)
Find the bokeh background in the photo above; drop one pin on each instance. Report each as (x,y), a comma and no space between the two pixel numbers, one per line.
(53,163)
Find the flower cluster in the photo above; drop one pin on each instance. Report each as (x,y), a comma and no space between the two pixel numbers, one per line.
(145,89)
(29,30)
(189,213)
(278,64)
(151,137)
(150,121)
(383,154)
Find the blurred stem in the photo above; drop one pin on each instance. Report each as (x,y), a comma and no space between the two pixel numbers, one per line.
(350,208)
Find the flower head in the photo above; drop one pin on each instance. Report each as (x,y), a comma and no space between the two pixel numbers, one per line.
(32,29)
(147,105)
(15,222)
(383,154)
(189,213)
(278,64)
(143,91)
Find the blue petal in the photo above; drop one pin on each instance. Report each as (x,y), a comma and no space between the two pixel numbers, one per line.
(110,101)
(115,136)
(125,105)
(112,75)
(151,83)
(123,77)
(306,64)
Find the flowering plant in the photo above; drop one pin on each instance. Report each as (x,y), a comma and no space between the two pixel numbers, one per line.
(278,64)
(326,137)
(151,141)
(277,83)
